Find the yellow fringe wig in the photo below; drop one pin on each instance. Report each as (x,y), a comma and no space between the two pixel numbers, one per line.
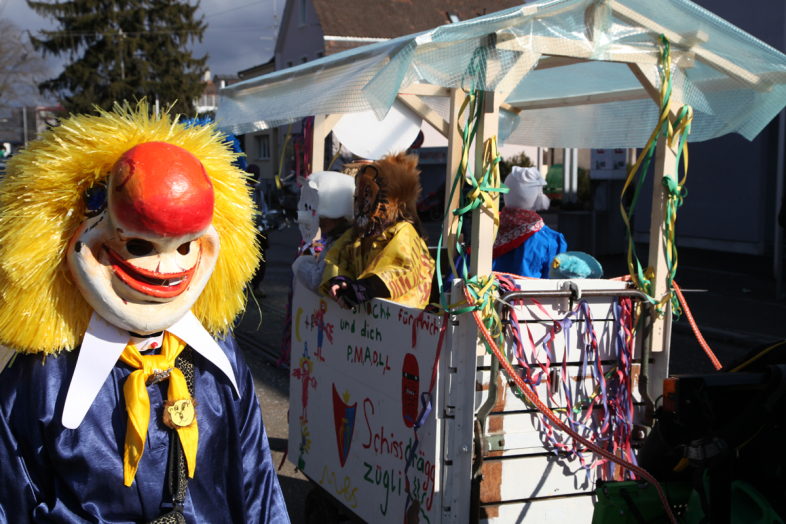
(41,206)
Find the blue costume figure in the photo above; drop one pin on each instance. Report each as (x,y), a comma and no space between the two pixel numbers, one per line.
(525,245)
(128,400)
(51,473)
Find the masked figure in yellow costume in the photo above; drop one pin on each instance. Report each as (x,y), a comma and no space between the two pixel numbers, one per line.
(125,245)
(383,256)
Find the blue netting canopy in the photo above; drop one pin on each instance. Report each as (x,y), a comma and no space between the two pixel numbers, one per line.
(570,68)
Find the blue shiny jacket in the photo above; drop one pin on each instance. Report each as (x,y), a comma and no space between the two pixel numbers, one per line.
(56,475)
(534,256)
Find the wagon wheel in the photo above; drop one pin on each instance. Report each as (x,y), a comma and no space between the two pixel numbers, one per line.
(319,510)
(435,214)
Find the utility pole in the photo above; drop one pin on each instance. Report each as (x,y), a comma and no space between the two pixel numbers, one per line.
(24,124)
(780,199)
(275,23)
(122,62)
(120,43)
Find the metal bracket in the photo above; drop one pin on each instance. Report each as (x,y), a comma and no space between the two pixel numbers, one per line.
(495,443)
(575,294)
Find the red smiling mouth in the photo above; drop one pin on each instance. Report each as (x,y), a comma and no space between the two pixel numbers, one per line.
(151,283)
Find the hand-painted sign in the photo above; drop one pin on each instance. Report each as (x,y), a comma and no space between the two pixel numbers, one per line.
(360,392)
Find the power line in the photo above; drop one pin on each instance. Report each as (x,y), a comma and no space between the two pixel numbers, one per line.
(153,32)
(239,7)
(162,31)
(115,33)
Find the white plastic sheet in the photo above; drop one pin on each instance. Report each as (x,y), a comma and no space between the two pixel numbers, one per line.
(734,82)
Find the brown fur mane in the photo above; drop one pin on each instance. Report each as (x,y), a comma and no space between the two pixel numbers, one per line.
(402,181)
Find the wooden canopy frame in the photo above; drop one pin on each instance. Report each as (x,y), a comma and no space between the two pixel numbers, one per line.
(557,52)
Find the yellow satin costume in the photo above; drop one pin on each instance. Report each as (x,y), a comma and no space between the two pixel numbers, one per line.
(398,256)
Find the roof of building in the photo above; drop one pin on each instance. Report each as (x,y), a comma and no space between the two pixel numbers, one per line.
(212,86)
(394,18)
(258,70)
(382,19)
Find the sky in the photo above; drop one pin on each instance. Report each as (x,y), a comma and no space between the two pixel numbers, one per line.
(239,33)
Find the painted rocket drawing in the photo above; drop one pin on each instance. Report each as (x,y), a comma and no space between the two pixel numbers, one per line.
(410,387)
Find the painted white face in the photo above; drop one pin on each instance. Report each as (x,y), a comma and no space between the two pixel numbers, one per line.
(307,206)
(145,259)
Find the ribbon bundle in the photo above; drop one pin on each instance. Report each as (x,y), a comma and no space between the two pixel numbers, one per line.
(679,131)
(612,423)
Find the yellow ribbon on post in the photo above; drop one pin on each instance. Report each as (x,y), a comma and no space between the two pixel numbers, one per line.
(678,132)
(281,160)
(138,402)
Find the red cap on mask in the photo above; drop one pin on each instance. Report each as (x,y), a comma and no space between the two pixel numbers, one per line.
(161,189)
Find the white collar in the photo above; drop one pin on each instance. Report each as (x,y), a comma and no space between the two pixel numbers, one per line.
(145,343)
(101,348)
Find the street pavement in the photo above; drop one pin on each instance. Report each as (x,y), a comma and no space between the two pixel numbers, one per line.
(259,334)
(731,297)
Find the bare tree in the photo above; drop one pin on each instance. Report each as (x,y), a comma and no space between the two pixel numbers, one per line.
(21,68)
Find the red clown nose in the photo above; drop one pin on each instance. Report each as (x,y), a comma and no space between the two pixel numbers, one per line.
(161,189)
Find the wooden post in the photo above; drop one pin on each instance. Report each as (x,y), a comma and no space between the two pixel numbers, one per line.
(469,342)
(665,162)
(318,147)
(453,163)
(483,233)
(665,165)
(318,144)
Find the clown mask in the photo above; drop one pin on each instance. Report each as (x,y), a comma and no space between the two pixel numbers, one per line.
(143,260)
(325,194)
(307,219)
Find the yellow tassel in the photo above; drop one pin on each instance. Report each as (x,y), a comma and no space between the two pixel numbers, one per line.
(41,206)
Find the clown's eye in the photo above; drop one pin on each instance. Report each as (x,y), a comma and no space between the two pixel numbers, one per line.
(95,199)
(184,249)
(139,247)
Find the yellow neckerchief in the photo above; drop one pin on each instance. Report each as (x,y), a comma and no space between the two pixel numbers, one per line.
(138,402)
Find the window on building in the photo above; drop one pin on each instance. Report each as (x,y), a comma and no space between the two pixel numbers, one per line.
(302,11)
(320,54)
(303,59)
(263,147)
(289,63)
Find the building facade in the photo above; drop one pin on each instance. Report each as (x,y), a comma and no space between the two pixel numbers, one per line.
(261,147)
(731,201)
